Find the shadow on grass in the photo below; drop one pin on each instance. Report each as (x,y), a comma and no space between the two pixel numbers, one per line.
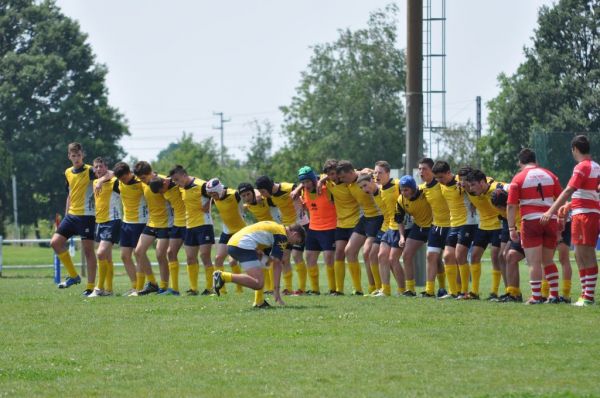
(276,307)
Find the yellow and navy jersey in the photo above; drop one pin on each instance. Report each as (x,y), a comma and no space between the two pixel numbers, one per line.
(108,201)
(231,210)
(195,198)
(177,207)
(291,213)
(387,213)
(264,210)
(455,200)
(260,236)
(488,213)
(418,207)
(365,201)
(390,193)
(158,208)
(439,206)
(81,190)
(517,217)
(346,207)
(135,209)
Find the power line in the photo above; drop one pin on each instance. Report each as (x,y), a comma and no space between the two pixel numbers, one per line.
(221,127)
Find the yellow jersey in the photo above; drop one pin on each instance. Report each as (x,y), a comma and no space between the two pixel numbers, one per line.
(135,209)
(488,213)
(390,193)
(81,190)
(439,206)
(418,208)
(195,198)
(108,202)
(291,212)
(455,200)
(260,236)
(177,207)
(231,210)
(264,210)
(346,207)
(158,208)
(365,201)
(387,213)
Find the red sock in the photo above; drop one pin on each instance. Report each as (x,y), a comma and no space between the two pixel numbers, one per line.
(551,274)
(536,289)
(590,284)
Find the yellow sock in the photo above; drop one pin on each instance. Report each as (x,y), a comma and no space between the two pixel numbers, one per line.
(517,291)
(151,278)
(475,276)
(193,271)
(566,288)
(268,280)
(89,286)
(410,285)
(496,277)
(110,275)
(101,273)
(451,274)
(371,288)
(301,271)
(313,273)
(400,289)
(465,272)
(330,278)
(237,269)
(208,280)
(376,276)
(259,297)
(163,284)
(354,269)
(430,287)
(287,280)
(340,274)
(386,289)
(140,278)
(227,276)
(67,262)
(272,279)
(545,288)
(222,269)
(174,274)
(512,291)
(441,278)
(134,284)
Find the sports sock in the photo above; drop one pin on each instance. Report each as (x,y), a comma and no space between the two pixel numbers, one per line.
(151,278)
(386,289)
(110,275)
(259,297)
(330,278)
(268,280)
(313,273)
(375,271)
(67,262)
(340,274)
(163,284)
(287,281)
(400,290)
(475,276)
(551,274)
(272,279)
(545,287)
(451,273)
(441,278)
(174,274)
(140,278)
(430,287)
(566,288)
(301,271)
(193,270)
(208,279)
(410,285)
(90,286)
(536,289)
(496,277)
(465,272)
(226,276)
(101,273)
(354,268)
(592,276)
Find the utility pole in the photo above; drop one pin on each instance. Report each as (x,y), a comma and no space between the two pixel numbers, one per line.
(221,127)
(15,210)
(478,125)
(414,85)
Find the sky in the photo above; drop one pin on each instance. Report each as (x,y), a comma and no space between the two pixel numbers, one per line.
(173,64)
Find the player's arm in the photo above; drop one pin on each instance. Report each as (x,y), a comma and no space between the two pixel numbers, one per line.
(276,254)
(106,177)
(296,192)
(511,212)
(561,200)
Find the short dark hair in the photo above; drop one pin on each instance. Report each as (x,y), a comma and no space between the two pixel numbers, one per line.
(156,184)
(441,166)
(526,156)
(265,182)
(178,169)
(299,229)
(245,187)
(427,161)
(344,166)
(100,159)
(330,164)
(75,147)
(120,169)
(582,143)
(476,176)
(499,197)
(464,171)
(383,164)
(142,168)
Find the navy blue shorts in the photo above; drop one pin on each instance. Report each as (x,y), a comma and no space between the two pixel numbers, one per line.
(484,237)
(419,233)
(565,236)
(158,233)
(462,235)
(320,240)
(224,238)
(369,226)
(176,232)
(377,240)
(242,255)
(504,233)
(343,233)
(437,237)
(77,225)
(517,246)
(130,234)
(391,237)
(109,231)
(198,236)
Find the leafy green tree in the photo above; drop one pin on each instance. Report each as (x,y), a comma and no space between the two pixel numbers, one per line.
(258,156)
(52,92)
(459,145)
(348,103)
(556,88)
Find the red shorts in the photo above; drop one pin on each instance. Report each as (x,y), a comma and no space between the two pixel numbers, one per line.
(585,229)
(534,234)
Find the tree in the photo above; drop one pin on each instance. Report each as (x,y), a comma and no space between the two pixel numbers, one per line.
(258,156)
(348,104)
(459,145)
(556,88)
(52,92)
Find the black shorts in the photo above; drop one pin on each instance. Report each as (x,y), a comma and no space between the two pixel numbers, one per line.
(224,238)
(418,233)
(198,236)
(484,237)
(391,237)
(565,236)
(436,239)
(504,233)
(462,235)
(343,233)
(517,246)
(378,237)
(320,240)
(176,232)
(158,233)
(83,226)
(242,255)
(369,226)
(109,231)
(130,234)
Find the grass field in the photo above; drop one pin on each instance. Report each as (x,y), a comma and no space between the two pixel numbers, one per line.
(57,343)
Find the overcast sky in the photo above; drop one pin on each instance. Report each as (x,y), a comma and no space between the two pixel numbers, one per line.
(173,63)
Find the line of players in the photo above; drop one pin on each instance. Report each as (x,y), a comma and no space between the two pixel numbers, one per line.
(349,210)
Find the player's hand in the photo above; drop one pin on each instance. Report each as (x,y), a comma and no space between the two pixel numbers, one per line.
(277,296)
(295,194)
(545,217)
(320,186)
(401,242)
(97,188)
(514,236)
(564,210)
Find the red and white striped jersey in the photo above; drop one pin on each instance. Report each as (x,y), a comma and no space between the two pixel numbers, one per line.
(534,190)
(585,179)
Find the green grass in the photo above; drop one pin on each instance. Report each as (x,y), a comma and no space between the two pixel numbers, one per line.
(56,343)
